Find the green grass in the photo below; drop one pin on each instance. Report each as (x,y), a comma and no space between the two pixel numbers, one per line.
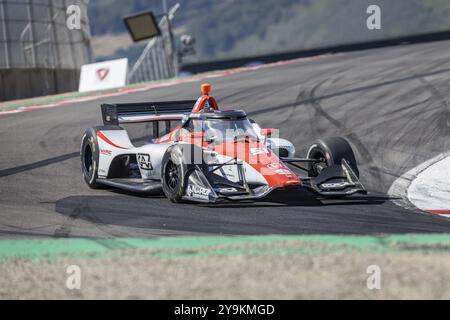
(221,245)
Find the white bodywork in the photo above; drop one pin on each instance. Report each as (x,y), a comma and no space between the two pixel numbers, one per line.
(231,172)
(275,143)
(150,168)
(149,156)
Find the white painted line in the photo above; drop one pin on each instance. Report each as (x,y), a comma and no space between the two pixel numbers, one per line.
(426,187)
(430,191)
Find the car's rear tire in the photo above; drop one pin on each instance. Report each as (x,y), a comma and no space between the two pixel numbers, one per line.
(332,151)
(90,158)
(173,175)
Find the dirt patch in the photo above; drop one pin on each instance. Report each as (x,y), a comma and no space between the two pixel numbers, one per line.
(239,274)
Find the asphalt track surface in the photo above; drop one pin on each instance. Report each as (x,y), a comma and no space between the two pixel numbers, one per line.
(392,104)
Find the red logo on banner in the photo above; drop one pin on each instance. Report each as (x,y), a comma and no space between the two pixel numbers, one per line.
(102,73)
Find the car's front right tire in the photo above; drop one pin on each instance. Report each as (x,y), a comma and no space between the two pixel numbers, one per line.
(331,151)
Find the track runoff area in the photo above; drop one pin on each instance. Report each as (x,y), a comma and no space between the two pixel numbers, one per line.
(389,103)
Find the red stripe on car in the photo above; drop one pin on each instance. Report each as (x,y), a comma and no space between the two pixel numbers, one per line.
(105,138)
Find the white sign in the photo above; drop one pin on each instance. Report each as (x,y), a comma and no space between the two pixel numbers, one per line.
(103,75)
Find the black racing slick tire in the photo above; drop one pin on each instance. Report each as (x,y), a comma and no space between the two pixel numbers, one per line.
(90,155)
(178,163)
(173,174)
(332,151)
(90,158)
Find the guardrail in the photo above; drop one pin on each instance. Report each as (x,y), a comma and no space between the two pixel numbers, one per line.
(240,62)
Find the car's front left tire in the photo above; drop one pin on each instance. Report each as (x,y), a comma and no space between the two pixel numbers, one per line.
(173,174)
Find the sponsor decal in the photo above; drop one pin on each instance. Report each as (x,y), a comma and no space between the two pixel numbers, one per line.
(197,192)
(337,185)
(144,161)
(284,172)
(106,152)
(102,73)
(257,151)
(228,190)
(274,166)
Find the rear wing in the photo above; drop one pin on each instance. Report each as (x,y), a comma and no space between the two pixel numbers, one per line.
(115,114)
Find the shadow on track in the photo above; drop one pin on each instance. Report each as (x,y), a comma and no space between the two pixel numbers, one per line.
(302,213)
(302,199)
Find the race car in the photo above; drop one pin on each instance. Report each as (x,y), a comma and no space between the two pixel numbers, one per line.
(207,155)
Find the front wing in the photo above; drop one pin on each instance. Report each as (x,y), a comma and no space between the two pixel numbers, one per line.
(204,187)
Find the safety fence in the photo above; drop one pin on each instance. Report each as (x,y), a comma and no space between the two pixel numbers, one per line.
(159,59)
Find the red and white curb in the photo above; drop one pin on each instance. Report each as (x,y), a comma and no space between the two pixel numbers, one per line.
(426,187)
(150,86)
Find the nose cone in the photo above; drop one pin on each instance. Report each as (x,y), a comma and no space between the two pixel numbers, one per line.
(276,173)
(264,161)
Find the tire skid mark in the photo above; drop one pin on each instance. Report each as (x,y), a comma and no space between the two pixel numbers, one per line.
(399,189)
(438,131)
(81,210)
(437,94)
(101,226)
(354,90)
(351,136)
(65,229)
(51,161)
(302,99)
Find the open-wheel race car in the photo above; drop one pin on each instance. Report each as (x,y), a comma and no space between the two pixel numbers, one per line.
(207,155)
